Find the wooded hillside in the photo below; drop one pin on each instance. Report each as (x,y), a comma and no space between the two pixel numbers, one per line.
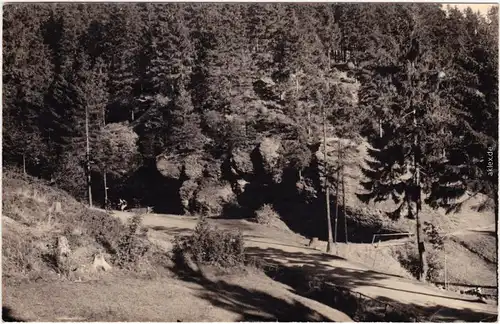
(222,108)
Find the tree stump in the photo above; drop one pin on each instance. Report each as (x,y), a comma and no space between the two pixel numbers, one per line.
(100,263)
(63,249)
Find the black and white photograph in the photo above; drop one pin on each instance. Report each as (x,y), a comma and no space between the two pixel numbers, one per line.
(249,162)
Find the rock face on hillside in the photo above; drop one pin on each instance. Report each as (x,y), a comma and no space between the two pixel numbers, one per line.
(186,193)
(100,263)
(207,190)
(211,198)
(177,167)
(241,163)
(169,166)
(269,155)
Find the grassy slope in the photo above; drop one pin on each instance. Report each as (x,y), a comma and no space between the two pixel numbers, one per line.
(481,244)
(166,299)
(31,226)
(466,267)
(33,291)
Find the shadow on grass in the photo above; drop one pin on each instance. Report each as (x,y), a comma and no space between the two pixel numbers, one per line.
(264,239)
(250,304)
(7,315)
(172,231)
(484,232)
(224,224)
(336,287)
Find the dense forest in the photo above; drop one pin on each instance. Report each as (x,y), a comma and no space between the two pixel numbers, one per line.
(222,108)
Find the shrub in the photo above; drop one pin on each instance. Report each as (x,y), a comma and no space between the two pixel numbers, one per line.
(212,246)
(106,230)
(266,215)
(19,255)
(133,245)
(433,236)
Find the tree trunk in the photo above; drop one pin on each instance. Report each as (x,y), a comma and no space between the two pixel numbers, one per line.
(337,193)
(89,180)
(416,190)
(104,176)
(329,59)
(105,181)
(327,190)
(24,165)
(380,128)
(343,205)
(308,125)
(420,237)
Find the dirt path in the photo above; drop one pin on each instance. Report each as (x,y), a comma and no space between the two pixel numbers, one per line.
(288,249)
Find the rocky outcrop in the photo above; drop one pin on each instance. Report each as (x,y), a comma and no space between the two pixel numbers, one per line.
(268,157)
(88,269)
(178,167)
(193,166)
(269,152)
(169,166)
(203,189)
(240,186)
(241,163)
(211,198)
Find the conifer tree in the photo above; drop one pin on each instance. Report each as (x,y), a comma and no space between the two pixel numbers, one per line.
(407,148)
(26,75)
